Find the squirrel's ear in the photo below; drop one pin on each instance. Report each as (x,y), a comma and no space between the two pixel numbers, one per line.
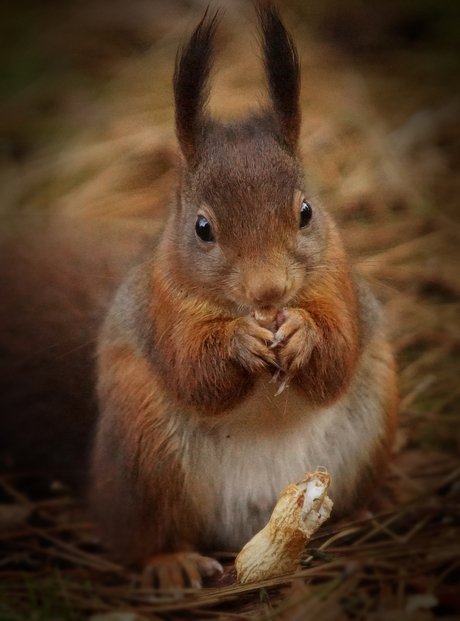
(283,71)
(193,65)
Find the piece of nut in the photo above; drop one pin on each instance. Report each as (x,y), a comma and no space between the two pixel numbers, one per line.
(277,548)
(265,316)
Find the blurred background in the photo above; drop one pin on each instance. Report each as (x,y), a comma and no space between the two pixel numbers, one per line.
(87,137)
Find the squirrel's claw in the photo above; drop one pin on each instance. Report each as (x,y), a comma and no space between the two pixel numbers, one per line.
(284,384)
(179,570)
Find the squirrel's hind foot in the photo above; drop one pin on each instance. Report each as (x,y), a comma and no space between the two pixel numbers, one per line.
(178,570)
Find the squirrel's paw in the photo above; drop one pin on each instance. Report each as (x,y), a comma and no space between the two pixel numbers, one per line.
(249,345)
(178,570)
(295,339)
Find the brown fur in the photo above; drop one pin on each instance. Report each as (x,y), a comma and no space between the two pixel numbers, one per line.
(54,294)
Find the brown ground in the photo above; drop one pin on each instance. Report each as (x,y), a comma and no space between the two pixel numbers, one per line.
(87,131)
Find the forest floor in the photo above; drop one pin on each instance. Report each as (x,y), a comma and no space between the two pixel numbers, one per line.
(86,129)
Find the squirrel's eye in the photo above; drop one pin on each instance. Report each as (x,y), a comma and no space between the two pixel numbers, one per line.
(305,214)
(203,229)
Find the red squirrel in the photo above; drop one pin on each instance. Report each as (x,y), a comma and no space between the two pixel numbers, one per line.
(244,350)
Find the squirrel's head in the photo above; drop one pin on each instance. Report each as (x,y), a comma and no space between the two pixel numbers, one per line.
(244,229)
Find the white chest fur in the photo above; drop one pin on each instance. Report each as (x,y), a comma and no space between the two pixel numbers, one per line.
(239,463)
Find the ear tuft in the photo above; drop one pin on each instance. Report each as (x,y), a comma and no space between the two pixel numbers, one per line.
(283,71)
(191,75)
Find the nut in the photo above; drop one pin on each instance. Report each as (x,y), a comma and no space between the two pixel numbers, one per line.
(266,315)
(277,548)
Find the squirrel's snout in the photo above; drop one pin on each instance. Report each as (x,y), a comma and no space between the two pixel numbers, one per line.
(267,291)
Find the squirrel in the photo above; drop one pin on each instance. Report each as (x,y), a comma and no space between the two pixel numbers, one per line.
(244,350)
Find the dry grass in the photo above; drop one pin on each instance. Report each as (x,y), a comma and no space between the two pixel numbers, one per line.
(381,142)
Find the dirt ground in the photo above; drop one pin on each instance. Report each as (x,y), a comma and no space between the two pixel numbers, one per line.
(86,135)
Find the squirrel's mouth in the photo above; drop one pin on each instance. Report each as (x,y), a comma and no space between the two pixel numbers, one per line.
(263,312)
(264,297)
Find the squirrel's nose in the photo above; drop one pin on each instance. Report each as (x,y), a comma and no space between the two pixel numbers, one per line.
(267,291)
